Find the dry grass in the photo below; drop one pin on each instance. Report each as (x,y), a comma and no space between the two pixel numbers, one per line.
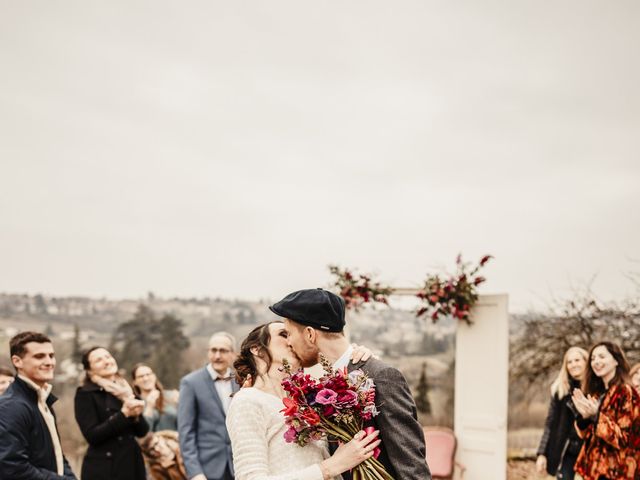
(523,443)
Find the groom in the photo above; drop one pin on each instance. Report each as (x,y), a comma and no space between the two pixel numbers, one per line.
(314,320)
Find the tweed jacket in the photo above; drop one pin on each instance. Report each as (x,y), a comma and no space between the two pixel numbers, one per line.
(403,451)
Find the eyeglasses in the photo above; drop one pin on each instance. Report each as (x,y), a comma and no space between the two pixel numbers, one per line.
(221,351)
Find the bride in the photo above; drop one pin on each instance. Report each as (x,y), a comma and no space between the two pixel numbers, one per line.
(256,425)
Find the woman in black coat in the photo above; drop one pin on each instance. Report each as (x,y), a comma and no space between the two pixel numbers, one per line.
(110,417)
(560,443)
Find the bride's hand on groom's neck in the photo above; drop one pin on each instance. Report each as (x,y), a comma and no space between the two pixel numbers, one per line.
(361,353)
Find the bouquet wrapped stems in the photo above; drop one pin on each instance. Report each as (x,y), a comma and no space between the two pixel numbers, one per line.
(371,468)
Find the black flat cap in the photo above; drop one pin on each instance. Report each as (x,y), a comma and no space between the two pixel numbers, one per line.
(316,308)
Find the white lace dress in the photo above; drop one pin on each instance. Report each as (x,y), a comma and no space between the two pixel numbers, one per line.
(256,427)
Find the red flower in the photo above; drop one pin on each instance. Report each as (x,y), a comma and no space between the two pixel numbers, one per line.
(310,416)
(291,407)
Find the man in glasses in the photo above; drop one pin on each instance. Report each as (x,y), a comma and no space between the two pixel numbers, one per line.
(204,398)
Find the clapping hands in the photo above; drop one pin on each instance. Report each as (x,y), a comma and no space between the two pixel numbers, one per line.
(132,407)
(587,406)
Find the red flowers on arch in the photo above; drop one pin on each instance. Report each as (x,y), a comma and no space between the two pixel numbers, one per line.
(441,295)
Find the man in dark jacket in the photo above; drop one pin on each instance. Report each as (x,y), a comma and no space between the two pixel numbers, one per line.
(314,320)
(29,443)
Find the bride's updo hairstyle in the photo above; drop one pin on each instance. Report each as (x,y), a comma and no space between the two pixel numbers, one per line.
(258,340)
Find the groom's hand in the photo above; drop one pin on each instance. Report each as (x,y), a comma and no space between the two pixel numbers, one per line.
(200,476)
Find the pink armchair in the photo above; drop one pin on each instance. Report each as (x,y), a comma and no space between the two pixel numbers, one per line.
(441,452)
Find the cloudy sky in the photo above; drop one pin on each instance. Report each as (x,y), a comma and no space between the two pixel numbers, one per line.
(237,148)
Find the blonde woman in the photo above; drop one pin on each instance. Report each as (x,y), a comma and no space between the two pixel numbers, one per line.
(560,443)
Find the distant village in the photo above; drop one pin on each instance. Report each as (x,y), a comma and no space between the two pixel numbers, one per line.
(392,331)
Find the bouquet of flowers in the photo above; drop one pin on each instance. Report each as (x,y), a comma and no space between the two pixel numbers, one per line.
(337,406)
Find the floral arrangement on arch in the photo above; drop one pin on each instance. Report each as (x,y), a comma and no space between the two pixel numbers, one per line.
(440,295)
(454,295)
(358,289)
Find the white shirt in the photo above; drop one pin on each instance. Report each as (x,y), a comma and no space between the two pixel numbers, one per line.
(344,359)
(222,387)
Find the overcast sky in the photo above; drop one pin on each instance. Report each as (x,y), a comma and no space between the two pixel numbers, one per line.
(237,148)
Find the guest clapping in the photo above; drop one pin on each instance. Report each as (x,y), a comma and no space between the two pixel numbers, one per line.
(109,417)
(560,443)
(161,406)
(610,417)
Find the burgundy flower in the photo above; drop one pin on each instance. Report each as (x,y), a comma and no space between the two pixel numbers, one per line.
(328,410)
(485,259)
(347,398)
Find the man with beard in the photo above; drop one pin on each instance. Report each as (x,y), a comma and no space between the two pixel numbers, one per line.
(314,320)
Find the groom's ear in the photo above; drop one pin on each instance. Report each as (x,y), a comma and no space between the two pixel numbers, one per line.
(310,335)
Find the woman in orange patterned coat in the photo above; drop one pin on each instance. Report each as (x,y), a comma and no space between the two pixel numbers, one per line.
(610,417)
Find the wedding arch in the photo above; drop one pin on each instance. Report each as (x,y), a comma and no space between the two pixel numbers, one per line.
(481,356)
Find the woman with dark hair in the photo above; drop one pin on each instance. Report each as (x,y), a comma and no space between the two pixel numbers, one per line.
(610,417)
(161,406)
(560,443)
(109,417)
(256,424)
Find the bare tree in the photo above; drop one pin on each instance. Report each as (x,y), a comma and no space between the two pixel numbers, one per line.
(537,349)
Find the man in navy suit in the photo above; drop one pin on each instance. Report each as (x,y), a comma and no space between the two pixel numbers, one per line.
(204,399)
